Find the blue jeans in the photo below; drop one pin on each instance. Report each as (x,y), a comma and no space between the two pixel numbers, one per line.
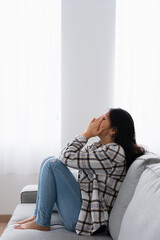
(56,184)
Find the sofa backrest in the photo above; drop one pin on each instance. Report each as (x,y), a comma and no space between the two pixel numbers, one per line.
(127,191)
(142,219)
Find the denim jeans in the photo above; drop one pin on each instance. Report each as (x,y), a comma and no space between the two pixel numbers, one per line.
(57,184)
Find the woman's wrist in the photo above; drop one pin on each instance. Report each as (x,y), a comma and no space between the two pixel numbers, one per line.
(85,134)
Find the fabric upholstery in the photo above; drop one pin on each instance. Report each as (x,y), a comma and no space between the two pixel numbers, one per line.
(127,190)
(29,194)
(142,180)
(58,230)
(142,218)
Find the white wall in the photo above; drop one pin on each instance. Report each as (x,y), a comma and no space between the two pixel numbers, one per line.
(88,38)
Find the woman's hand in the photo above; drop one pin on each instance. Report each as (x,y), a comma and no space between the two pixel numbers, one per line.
(93,128)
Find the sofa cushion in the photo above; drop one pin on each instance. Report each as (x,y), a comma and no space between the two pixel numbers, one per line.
(58,230)
(127,191)
(142,219)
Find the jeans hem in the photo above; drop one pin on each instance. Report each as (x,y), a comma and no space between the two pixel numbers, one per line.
(41,224)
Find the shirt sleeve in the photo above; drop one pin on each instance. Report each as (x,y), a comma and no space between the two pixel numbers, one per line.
(103,157)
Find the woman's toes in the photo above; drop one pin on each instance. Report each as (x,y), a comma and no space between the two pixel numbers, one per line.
(17,226)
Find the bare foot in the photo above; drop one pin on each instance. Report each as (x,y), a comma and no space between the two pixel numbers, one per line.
(26,220)
(32,225)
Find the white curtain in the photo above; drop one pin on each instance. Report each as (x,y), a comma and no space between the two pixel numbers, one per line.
(30,39)
(137,83)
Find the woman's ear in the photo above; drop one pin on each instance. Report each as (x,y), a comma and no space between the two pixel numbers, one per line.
(113,131)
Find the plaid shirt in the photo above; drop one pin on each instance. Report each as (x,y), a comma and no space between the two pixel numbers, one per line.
(102,169)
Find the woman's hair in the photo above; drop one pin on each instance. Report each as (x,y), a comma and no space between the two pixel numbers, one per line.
(125,134)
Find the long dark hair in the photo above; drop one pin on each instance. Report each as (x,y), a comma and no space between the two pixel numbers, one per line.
(125,134)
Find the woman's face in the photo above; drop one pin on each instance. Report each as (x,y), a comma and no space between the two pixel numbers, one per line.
(106,124)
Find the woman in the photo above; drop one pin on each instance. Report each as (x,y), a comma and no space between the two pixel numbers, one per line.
(85,205)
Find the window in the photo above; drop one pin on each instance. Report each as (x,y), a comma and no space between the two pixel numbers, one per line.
(30,40)
(137,66)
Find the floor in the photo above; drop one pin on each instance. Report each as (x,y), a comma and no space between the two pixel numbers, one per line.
(2,227)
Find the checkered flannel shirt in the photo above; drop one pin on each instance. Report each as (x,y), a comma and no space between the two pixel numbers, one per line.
(102,169)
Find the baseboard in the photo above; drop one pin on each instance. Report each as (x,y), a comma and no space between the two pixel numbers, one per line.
(5,218)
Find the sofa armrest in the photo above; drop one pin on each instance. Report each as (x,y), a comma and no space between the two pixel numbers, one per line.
(29,194)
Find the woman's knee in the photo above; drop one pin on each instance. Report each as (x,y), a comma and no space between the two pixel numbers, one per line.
(49,159)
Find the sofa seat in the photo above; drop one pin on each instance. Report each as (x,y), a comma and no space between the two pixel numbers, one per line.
(134,216)
(58,230)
